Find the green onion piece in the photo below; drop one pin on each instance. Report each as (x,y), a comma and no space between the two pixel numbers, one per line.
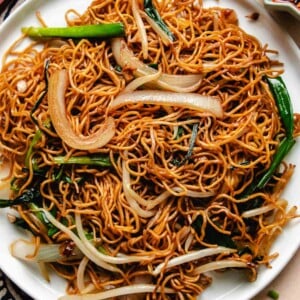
(283,149)
(213,236)
(153,14)
(35,140)
(102,161)
(191,147)
(84,31)
(29,196)
(40,99)
(273,294)
(283,101)
(51,229)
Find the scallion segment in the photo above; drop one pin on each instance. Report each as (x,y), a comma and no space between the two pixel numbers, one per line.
(94,160)
(285,109)
(191,147)
(283,149)
(283,101)
(36,138)
(31,195)
(84,31)
(273,294)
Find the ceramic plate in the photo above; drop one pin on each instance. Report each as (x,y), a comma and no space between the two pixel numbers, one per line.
(232,285)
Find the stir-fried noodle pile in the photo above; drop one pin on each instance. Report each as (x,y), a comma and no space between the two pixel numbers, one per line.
(175,179)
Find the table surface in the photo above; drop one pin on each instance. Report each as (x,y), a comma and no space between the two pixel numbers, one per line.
(287,284)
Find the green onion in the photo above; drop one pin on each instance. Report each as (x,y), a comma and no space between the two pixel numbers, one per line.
(29,196)
(213,236)
(156,21)
(273,294)
(283,149)
(35,140)
(283,101)
(191,147)
(84,31)
(102,161)
(51,229)
(39,101)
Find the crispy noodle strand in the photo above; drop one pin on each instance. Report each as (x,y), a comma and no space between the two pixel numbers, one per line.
(228,153)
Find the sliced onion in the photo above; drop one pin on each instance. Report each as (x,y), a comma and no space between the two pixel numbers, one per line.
(190,257)
(141,28)
(29,251)
(117,292)
(132,197)
(80,274)
(139,81)
(257,211)
(221,264)
(5,178)
(94,258)
(122,259)
(58,83)
(162,197)
(188,241)
(187,100)
(176,83)
(135,200)
(23,249)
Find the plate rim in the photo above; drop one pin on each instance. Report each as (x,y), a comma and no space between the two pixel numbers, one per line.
(27,4)
(282,6)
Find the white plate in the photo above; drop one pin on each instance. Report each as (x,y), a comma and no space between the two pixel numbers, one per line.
(232,285)
(283,6)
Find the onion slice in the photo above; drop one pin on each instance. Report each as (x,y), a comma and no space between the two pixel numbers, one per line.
(222,264)
(176,83)
(132,197)
(258,211)
(122,259)
(120,291)
(94,258)
(141,28)
(191,256)
(30,251)
(58,83)
(187,100)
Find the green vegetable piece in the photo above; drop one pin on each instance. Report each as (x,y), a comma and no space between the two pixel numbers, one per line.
(102,161)
(283,149)
(51,229)
(35,140)
(152,13)
(273,294)
(213,236)
(85,31)
(40,99)
(29,196)
(191,147)
(283,101)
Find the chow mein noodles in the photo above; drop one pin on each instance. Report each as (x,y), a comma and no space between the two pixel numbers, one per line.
(144,160)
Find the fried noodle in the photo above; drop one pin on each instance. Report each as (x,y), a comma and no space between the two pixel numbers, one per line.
(152,203)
